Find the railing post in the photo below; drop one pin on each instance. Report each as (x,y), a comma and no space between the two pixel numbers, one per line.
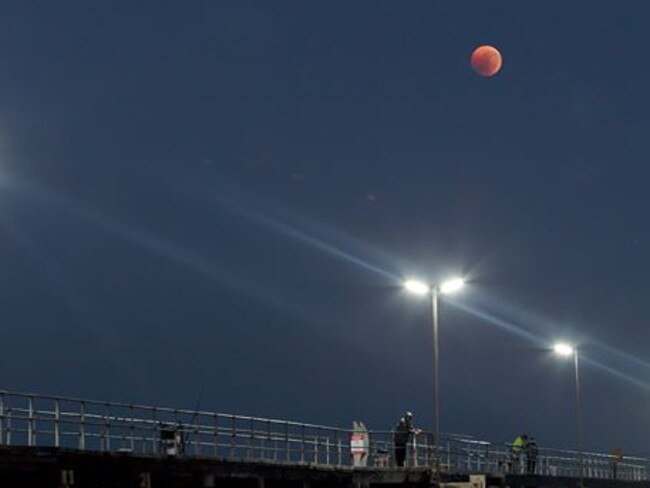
(267,444)
(487,457)
(276,449)
(414,446)
(197,441)
(339,448)
(302,444)
(57,428)
(233,435)
(82,426)
(327,450)
(251,437)
(30,421)
(178,425)
(107,427)
(2,417)
(154,430)
(8,426)
(132,428)
(286,443)
(144,441)
(216,434)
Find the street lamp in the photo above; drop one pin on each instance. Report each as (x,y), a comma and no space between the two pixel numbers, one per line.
(567,350)
(421,288)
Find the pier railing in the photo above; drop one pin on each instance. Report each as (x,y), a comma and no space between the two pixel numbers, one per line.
(89,425)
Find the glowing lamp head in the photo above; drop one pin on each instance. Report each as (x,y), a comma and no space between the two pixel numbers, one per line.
(563,349)
(416,287)
(452,286)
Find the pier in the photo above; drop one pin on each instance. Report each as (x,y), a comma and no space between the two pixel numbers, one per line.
(71,442)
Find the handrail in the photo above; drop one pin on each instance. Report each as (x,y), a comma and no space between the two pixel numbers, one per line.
(162,409)
(63,422)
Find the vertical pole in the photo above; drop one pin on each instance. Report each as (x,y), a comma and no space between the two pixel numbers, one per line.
(436,371)
(286,443)
(339,449)
(414,446)
(233,435)
(216,435)
(8,422)
(154,423)
(107,427)
(268,439)
(251,439)
(132,428)
(82,426)
(30,423)
(2,416)
(327,451)
(197,433)
(57,414)
(448,453)
(579,420)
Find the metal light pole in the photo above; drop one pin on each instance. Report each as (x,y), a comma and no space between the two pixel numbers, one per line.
(567,350)
(436,375)
(434,291)
(579,420)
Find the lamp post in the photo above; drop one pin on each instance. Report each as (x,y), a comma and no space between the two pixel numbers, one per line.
(568,350)
(421,288)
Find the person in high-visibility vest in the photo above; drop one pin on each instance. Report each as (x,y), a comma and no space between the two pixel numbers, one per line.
(617,457)
(518,447)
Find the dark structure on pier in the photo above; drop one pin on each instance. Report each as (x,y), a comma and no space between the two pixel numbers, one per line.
(66,468)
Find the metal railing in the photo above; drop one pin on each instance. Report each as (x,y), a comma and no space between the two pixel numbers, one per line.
(52,421)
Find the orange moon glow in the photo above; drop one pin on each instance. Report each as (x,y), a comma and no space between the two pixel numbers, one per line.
(486,60)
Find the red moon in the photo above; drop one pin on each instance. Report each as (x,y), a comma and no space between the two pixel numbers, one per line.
(486,60)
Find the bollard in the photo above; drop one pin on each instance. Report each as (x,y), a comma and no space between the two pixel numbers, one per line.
(208,481)
(67,478)
(144,480)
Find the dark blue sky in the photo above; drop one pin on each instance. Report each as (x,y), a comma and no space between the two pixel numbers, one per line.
(227,193)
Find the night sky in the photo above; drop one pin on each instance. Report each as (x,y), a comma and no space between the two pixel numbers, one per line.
(225,196)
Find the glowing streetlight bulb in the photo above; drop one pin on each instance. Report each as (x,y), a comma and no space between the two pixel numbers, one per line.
(563,349)
(452,286)
(417,287)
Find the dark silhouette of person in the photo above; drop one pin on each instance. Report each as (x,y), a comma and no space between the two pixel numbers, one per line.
(401,435)
(531,452)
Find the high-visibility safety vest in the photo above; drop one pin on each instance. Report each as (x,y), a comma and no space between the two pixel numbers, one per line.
(518,445)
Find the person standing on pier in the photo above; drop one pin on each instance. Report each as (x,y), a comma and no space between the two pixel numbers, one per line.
(401,436)
(531,455)
(517,451)
(617,457)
